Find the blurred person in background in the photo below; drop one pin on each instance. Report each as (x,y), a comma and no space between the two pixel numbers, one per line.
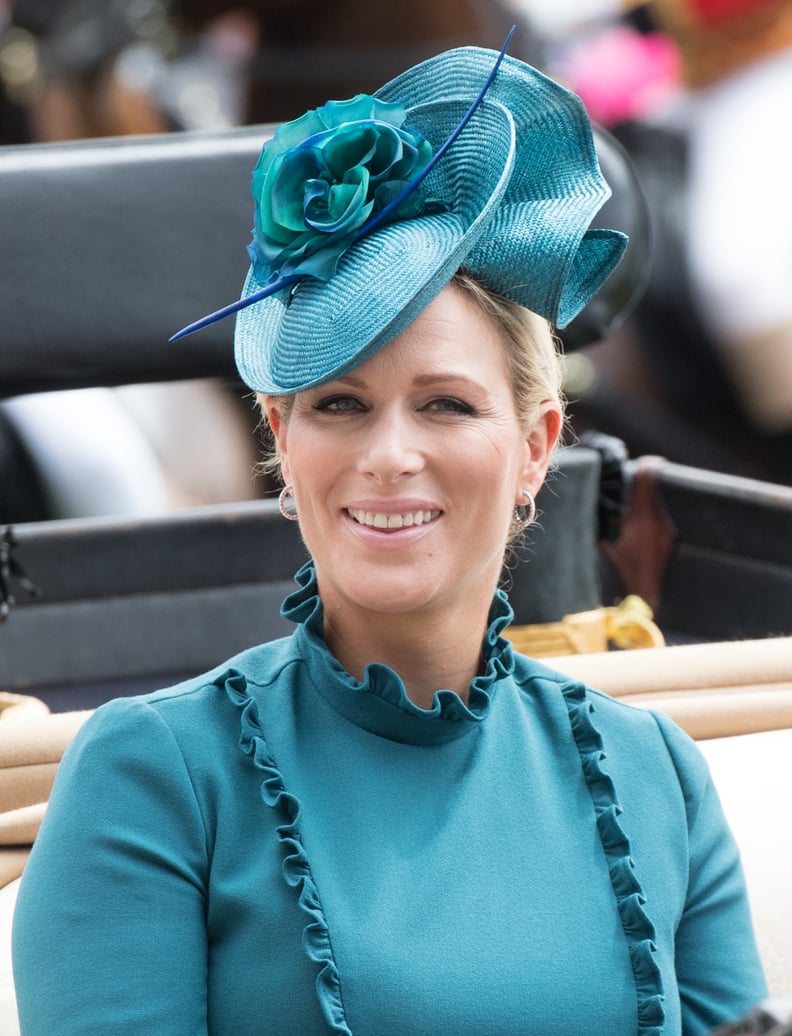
(698,92)
(104,67)
(737,62)
(346,47)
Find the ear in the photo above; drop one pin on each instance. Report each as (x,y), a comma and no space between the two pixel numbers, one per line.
(272,409)
(540,441)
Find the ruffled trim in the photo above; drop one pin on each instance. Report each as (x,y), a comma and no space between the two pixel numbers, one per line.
(402,719)
(295,868)
(636,923)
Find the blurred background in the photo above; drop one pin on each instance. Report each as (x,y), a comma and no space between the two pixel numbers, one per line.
(694,94)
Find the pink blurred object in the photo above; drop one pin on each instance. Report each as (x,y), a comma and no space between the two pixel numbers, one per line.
(622,74)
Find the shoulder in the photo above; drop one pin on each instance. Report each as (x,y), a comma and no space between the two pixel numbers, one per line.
(536,678)
(189,718)
(175,750)
(627,731)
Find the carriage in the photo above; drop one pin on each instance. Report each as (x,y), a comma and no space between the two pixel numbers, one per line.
(99,265)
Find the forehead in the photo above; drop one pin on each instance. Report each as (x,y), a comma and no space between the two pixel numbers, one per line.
(451,336)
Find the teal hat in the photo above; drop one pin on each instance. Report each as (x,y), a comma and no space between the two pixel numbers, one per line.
(365,210)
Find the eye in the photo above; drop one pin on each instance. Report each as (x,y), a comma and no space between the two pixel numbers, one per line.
(449,405)
(339,405)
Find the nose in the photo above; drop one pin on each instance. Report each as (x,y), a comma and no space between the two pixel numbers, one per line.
(392,447)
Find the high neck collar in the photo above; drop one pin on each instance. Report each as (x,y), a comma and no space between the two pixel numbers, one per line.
(379,703)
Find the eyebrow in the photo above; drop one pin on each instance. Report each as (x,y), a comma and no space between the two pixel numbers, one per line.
(444,376)
(421,380)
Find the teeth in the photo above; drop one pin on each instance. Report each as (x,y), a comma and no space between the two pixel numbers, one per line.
(379,520)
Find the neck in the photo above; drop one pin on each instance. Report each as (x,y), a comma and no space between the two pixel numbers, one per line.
(427,651)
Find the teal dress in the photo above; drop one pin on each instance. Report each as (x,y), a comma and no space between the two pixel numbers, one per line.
(276,848)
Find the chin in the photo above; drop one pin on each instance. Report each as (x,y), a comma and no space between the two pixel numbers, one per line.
(388,593)
(394,602)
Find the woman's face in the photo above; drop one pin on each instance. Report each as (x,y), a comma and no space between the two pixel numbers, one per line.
(406,471)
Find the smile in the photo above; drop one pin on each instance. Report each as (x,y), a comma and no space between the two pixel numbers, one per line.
(379,520)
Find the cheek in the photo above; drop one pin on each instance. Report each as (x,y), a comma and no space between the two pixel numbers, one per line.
(312,463)
(497,453)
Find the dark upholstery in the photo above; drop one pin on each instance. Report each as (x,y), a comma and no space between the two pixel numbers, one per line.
(110,246)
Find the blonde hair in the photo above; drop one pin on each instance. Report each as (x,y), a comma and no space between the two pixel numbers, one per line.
(532,354)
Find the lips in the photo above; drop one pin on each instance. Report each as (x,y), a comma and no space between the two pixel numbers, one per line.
(398,520)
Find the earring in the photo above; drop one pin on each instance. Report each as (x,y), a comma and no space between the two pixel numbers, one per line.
(525,514)
(287,505)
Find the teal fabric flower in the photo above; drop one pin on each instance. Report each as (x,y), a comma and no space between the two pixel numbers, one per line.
(322,176)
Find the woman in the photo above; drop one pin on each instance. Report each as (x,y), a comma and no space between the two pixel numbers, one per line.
(390,822)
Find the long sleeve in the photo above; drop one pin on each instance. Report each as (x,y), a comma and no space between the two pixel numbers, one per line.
(717,962)
(109,931)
